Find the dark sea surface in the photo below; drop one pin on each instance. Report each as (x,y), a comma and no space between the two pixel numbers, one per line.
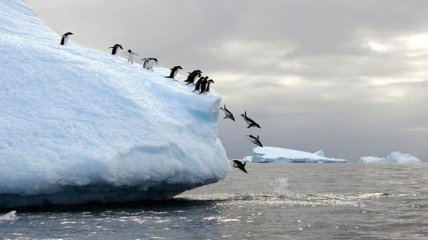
(273,201)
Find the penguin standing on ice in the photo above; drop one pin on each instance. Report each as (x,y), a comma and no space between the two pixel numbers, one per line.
(174,72)
(227,113)
(114,48)
(239,165)
(65,37)
(192,76)
(255,140)
(206,87)
(249,121)
(201,82)
(131,56)
(145,60)
(149,62)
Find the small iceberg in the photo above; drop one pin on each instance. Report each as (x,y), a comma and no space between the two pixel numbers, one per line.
(283,155)
(9,217)
(394,157)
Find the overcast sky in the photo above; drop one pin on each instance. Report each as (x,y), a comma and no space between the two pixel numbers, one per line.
(346,76)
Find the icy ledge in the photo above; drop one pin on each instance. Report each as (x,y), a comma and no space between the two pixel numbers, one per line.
(283,155)
(81,126)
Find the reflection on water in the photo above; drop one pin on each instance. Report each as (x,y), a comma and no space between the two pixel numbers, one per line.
(295,201)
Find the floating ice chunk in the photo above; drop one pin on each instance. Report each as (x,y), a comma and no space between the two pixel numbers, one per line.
(282,155)
(394,157)
(9,217)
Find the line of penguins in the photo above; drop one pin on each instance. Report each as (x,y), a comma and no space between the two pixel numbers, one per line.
(202,85)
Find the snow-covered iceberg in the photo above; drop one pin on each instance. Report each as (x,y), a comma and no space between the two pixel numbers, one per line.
(283,155)
(394,157)
(82,126)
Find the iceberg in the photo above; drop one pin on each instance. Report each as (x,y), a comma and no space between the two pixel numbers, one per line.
(81,126)
(9,217)
(283,155)
(394,157)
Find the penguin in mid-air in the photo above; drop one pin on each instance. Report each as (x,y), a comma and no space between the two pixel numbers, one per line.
(227,113)
(206,87)
(192,76)
(174,72)
(65,37)
(240,165)
(114,48)
(131,56)
(249,121)
(255,140)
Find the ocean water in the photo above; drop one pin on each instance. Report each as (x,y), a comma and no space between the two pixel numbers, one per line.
(273,201)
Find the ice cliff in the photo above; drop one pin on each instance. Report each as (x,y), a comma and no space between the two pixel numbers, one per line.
(82,126)
(283,155)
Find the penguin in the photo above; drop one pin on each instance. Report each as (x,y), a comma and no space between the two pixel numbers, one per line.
(174,72)
(201,82)
(227,113)
(249,121)
(238,164)
(150,63)
(65,37)
(131,56)
(206,86)
(145,61)
(114,48)
(255,140)
(191,78)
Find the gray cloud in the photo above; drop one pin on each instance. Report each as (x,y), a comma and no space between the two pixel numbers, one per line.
(346,76)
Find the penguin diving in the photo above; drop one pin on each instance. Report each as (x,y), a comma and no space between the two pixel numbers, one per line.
(249,121)
(227,113)
(255,140)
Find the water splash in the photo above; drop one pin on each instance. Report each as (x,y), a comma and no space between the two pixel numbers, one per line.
(280,187)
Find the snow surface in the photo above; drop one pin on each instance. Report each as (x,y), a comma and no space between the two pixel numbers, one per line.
(82,126)
(283,155)
(394,157)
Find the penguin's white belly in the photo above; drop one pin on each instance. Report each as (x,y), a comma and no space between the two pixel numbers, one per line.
(130,57)
(175,73)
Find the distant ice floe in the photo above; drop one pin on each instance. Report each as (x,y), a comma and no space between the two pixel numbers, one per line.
(394,157)
(9,217)
(283,155)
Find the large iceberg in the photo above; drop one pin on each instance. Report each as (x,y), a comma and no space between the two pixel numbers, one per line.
(283,155)
(82,126)
(394,157)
